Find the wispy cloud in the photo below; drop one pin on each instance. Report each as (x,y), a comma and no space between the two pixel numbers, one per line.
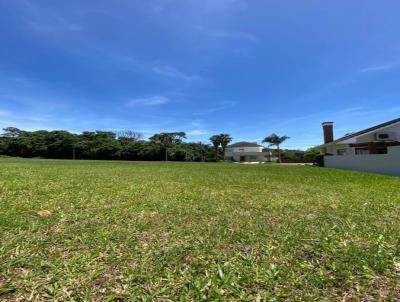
(219,106)
(22,81)
(26,121)
(217,8)
(163,70)
(45,21)
(364,112)
(225,34)
(232,35)
(57,25)
(380,67)
(5,112)
(197,128)
(172,72)
(38,102)
(197,132)
(155,100)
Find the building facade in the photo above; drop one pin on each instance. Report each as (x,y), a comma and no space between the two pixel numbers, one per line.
(246,152)
(375,149)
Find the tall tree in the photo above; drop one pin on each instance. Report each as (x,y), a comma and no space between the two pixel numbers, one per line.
(100,145)
(216,142)
(276,140)
(225,139)
(167,139)
(202,151)
(11,132)
(129,135)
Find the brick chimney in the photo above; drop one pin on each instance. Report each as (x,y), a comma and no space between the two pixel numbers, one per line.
(328,132)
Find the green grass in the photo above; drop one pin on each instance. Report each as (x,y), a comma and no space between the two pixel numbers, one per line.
(124,231)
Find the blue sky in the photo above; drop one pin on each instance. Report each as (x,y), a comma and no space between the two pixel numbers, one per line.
(247,68)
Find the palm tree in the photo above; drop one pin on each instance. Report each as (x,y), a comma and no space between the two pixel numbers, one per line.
(216,141)
(225,139)
(166,139)
(276,140)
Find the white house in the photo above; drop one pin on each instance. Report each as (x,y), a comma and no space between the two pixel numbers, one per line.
(376,149)
(246,152)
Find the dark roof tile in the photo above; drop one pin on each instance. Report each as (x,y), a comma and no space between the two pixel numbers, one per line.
(354,134)
(243,144)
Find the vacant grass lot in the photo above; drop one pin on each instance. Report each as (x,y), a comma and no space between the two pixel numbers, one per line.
(123,231)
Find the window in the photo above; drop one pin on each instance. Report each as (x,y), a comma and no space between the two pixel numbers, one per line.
(383,136)
(252,157)
(361,151)
(381,150)
(341,151)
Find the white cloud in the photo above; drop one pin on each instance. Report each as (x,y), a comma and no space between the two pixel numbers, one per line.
(215,8)
(172,72)
(197,127)
(23,120)
(197,123)
(155,100)
(56,26)
(5,112)
(160,69)
(195,132)
(380,67)
(225,34)
(219,106)
(45,21)
(232,35)
(20,79)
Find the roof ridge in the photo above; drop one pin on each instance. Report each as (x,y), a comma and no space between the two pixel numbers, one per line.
(244,144)
(364,131)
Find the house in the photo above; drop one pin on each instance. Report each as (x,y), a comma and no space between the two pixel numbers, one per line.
(246,152)
(375,149)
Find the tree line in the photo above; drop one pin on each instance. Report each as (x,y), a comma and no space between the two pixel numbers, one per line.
(119,145)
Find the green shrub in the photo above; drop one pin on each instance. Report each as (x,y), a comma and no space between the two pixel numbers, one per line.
(319,160)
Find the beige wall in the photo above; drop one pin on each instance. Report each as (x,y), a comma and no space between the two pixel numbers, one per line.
(251,157)
(377,163)
(231,151)
(333,149)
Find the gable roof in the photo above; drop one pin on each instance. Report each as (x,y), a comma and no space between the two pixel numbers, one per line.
(243,144)
(373,128)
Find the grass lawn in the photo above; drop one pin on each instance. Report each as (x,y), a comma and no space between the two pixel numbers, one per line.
(127,231)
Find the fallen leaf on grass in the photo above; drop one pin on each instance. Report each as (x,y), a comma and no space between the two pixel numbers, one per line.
(44,213)
(333,206)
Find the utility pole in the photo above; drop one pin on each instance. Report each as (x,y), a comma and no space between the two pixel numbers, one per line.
(74,146)
(202,151)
